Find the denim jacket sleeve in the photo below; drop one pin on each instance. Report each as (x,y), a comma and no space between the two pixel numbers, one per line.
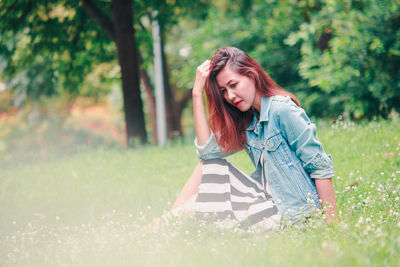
(210,150)
(300,133)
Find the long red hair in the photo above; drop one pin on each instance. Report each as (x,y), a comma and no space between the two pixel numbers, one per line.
(226,121)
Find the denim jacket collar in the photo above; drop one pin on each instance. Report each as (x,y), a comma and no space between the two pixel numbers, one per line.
(265,106)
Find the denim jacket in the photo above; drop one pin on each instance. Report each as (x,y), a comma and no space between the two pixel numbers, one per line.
(283,146)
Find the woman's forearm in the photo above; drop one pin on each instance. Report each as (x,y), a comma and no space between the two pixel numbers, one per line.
(326,194)
(200,120)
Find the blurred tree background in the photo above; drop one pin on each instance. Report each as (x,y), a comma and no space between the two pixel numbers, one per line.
(341,58)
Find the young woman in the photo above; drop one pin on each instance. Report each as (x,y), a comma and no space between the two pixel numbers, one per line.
(248,110)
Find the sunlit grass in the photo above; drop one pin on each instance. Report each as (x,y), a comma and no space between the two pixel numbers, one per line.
(92,209)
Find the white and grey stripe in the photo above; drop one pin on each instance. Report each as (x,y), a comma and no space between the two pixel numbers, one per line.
(226,192)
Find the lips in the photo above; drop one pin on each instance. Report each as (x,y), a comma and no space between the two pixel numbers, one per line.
(238,103)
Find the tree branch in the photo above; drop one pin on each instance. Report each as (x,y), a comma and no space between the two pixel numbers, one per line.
(104,22)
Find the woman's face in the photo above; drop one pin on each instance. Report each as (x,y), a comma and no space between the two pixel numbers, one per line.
(238,90)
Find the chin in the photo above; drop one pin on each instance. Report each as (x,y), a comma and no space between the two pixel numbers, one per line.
(243,109)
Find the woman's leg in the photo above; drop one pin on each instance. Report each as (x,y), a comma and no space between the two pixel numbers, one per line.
(190,189)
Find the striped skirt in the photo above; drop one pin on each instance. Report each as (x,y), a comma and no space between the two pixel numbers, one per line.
(230,197)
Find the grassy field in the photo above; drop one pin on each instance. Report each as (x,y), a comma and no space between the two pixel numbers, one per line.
(91,209)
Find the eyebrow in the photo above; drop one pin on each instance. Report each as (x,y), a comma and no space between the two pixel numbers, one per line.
(226,83)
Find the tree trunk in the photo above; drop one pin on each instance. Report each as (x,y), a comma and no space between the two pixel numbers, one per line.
(174,128)
(150,99)
(127,56)
(174,104)
(121,31)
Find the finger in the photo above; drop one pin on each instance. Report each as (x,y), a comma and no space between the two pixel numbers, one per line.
(205,66)
(205,63)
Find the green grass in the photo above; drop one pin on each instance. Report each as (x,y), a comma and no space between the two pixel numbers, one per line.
(91,209)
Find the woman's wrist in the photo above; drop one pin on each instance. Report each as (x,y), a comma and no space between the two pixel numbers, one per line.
(197,94)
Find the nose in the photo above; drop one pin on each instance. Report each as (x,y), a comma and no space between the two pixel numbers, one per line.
(230,94)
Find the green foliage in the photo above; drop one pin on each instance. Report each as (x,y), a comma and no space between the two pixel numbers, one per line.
(49,46)
(34,82)
(260,32)
(350,57)
(338,57)
(168,14)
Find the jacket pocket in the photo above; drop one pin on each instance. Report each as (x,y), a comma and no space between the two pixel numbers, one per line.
(278,148)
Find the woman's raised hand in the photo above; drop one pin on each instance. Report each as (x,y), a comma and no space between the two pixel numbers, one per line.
(202,73)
